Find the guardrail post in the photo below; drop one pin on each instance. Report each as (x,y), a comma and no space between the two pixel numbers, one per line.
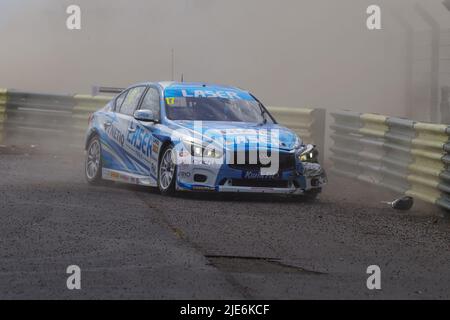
(445,105)
(398,155)
(347,143)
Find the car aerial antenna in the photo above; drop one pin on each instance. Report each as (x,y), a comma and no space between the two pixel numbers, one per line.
(182,77)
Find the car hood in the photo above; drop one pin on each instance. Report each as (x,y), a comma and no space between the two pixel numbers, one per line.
(240,134)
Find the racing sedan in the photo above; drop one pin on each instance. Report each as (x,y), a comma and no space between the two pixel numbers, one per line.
(179,136)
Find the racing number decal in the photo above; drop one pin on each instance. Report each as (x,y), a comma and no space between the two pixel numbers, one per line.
(170,101)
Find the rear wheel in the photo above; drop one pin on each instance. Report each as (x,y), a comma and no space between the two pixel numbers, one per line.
(93,162)
(167,171)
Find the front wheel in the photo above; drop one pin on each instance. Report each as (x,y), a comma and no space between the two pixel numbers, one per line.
(93,162)
(167,172)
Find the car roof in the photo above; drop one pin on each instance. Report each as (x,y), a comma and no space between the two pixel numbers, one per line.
(168,84)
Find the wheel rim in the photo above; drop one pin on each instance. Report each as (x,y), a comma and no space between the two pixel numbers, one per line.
(166,169)
(93,159)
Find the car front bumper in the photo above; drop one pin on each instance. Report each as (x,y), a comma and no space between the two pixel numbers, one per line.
(205,177)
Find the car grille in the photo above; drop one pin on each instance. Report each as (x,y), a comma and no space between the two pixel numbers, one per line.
(286,161)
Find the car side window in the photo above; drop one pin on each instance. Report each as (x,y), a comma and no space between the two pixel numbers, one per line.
(131,101)
(151,101)
(119,101)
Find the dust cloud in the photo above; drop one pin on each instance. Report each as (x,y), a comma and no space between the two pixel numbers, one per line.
(293,53)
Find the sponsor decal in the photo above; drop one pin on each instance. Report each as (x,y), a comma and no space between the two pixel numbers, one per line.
(141,139)
(209,94)
(115,175)
(205,92)
(115,134)
(184,174)
(257,175)
(170,101)
(155,146)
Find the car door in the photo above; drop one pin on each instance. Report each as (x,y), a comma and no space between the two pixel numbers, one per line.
(121,132)
(143,135)
(112,137)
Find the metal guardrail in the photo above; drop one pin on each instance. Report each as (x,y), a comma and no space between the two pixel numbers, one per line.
(399,154)
(45,119)
(308,123)
(96,90)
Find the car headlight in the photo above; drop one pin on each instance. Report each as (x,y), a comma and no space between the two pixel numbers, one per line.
(309,154)
(198,150)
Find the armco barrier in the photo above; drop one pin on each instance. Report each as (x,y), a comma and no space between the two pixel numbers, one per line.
(46,119)
(85,105)
(405,156)
(308,123)
(36,118)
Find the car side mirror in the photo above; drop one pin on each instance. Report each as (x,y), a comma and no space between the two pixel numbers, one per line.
(145,115)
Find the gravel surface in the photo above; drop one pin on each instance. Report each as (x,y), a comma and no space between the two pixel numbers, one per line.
(130,242)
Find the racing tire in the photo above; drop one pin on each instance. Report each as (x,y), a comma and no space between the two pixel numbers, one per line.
(167,171)
(93,162)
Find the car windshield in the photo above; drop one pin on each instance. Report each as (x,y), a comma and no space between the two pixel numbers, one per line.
(213,105)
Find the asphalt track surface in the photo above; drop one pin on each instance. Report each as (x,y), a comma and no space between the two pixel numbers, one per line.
(132,243)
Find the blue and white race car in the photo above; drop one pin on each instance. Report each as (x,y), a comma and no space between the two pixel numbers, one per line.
(197,137)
